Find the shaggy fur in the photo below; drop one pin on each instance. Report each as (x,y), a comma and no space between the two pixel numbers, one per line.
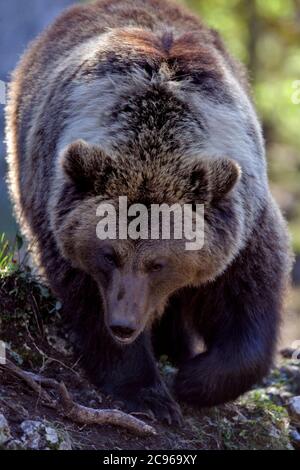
(139,98)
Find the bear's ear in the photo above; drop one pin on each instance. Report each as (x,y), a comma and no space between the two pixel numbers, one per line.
(86,165)
(211,179)
(223,174)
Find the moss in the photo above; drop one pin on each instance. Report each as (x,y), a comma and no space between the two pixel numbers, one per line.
(252,423)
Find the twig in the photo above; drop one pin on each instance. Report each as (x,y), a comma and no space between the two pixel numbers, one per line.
(37,315)
(47,359)
(72,410)
(83,415)
(26,377)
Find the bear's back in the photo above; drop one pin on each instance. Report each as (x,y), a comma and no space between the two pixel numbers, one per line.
(146,71)
(81,23)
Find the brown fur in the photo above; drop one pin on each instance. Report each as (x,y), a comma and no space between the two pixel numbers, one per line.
(166,116)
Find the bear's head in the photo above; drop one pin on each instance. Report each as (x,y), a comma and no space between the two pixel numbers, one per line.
(137,275)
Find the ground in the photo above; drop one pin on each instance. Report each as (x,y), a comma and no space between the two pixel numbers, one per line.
(31,327)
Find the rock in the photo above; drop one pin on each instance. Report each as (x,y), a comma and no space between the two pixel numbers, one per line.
(56,440)
(14,444)
(31,437)
(65,443)
(4,430)
(295,439)
(294,409)
(40,436)
(51,436)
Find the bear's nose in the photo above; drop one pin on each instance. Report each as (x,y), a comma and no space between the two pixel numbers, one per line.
(122,332)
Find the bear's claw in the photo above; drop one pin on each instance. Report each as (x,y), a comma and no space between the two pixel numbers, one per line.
(156,403)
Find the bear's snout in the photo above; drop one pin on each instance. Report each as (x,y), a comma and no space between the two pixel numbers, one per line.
(127,314)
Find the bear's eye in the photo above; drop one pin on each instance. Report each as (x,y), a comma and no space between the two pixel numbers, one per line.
(156,266)
(109,259)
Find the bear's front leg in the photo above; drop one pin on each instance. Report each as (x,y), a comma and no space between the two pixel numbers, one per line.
(240,342)
(130,375)
(238,315)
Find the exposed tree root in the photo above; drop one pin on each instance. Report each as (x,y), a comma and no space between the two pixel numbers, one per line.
(74,411)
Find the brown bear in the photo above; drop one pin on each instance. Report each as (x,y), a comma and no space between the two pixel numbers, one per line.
(138,98)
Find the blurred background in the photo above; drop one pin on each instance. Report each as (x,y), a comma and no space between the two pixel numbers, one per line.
(265,36)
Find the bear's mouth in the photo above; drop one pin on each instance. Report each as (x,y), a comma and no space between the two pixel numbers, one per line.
(126,340)
(123,335)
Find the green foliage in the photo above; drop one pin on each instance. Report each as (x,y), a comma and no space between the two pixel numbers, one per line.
(295,234)
(254,422)
(7,263)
